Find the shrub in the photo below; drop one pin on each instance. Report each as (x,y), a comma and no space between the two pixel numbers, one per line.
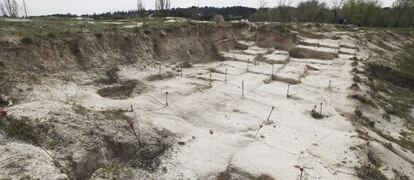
(316,115)
(186,64)
(26,40)
(99,35)
(51,35)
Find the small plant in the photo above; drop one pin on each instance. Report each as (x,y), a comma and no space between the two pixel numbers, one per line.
(99,35)
(51,35)
(26,40)
(315,114)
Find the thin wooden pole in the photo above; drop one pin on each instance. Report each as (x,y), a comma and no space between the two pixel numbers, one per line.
(268,117)
(166,98)
(225,76)
(242,88)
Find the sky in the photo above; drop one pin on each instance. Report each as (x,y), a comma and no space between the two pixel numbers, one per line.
(45,7)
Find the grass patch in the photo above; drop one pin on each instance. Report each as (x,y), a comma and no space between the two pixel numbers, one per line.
(364,99)
(367,172)
(26,40)
(406,60)
(79,109)
(117,114)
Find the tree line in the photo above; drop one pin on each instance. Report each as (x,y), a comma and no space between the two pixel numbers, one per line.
(358,12)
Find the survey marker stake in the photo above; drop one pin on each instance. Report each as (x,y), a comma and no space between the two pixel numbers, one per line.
(242,88)
(248,62)
(287,93)
(321,107)
(225,76)
(271,111)
(166,98)
(260,127)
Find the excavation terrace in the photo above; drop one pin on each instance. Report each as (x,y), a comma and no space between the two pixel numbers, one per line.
(180,99)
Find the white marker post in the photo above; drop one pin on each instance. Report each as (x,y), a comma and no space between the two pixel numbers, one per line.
(273,68)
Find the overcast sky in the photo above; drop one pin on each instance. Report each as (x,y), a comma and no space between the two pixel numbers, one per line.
(44,7)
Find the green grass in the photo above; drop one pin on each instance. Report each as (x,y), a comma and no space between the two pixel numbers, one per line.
(406,60)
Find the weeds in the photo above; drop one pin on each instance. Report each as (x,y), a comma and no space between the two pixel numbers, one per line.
(368,172)
(26,40)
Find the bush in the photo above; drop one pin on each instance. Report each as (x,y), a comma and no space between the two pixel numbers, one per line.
(186,64)
(51,35)
(26,40)
(99,35)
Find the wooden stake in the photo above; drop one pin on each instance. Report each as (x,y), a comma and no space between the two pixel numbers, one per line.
(273,68)
(301,172)
(166,98)
(132,109)
(225,76)
(287,93)
(248,62)
(321,107)
(181,71)
(270,113)
(330,82)
(242,88)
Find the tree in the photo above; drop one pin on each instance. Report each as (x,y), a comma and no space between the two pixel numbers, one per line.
(312,11)
(140,8)
(9,8)
(284,6)
(262,4)
(161,6)
(403,13)
(25,9)
(362,12)
(336,7)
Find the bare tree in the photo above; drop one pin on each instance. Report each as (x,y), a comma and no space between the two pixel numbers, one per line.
(25,9)
(284,6)
(9,8)
(140,8)
(336,8)
(162,4)
(262,3)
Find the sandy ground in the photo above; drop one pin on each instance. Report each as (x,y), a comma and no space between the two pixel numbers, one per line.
(223,129)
